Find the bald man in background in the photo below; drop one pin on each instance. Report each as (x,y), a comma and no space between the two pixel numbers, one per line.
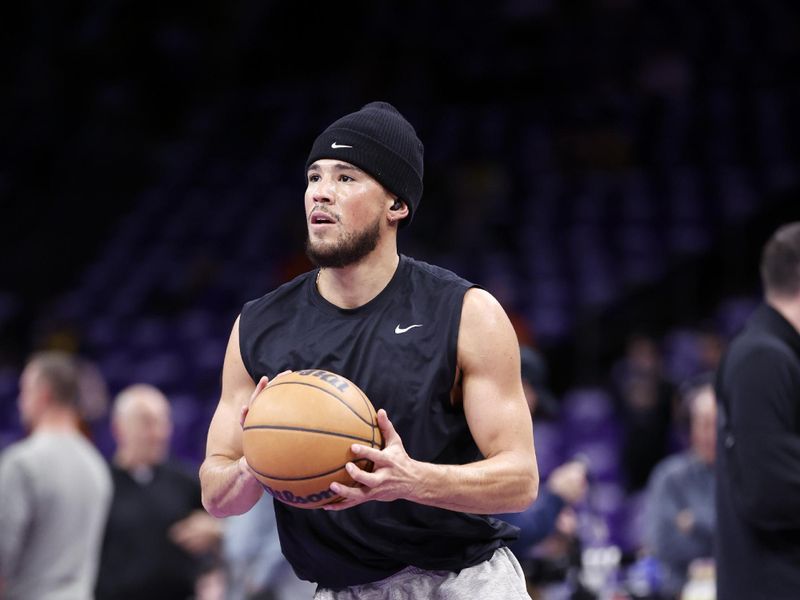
(158,539)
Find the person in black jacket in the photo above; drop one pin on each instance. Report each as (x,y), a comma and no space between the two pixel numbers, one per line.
(158,538)
(758,479)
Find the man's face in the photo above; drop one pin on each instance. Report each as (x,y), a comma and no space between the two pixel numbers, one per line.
(345,212)
(704,426)
(144,430)
(32,396)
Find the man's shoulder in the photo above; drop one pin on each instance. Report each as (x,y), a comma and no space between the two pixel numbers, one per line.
(767,334)
(28,447)
(287,288)
(755,348)
(672,467)
(22,458)
(16,452)
(439,275)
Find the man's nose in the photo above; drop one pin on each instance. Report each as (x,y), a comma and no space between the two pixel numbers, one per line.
(323,192)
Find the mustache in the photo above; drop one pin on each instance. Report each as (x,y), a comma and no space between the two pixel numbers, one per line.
(332,216)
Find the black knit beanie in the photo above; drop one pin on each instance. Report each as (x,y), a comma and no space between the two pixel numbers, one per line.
(378,140)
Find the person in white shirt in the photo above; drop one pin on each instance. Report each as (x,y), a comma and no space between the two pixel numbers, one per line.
(55,490)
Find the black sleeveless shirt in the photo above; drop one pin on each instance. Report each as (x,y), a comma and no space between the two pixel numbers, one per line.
(400,349)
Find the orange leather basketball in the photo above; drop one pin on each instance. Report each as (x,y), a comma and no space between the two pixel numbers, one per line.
(298,433)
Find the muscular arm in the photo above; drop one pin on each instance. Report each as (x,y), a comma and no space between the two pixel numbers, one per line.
(498,416)
(507,479)
(228,486)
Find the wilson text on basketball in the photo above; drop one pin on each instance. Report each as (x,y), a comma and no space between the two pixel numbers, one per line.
(290,498)
(327,377)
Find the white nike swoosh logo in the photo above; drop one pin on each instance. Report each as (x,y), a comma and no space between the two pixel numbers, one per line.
(399,329)
(335,145)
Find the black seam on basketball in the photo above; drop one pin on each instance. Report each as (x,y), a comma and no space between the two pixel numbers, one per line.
(308,430)
(315,476)
(322,389)
(371,411)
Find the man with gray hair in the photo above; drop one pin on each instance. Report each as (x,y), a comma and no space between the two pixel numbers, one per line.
(758,476)
(55,491)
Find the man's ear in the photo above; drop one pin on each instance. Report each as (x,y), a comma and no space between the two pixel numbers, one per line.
(398,211)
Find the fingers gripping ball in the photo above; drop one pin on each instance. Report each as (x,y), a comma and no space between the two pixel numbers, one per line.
(298,433)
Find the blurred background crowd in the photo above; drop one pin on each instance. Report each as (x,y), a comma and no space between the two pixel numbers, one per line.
(609,170)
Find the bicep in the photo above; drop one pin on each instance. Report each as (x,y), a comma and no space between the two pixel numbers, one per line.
(225,432)
(494,401)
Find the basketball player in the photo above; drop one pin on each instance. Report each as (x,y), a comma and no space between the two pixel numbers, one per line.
(436,355)
(757,545)
(55,490)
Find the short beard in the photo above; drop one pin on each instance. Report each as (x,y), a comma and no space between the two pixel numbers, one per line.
(345,251)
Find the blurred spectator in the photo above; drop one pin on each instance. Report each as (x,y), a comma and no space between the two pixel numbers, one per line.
(94,397)
(710,347)
(54,490)
(566,485)
(679,506)
(645,397)
(535,373)
(255,567)
(158,539)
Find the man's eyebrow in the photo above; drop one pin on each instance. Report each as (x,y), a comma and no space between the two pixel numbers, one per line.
(346,167)
(338,166)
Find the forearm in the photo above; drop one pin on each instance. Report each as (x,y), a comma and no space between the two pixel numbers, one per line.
(674,532)
(228,486)
(678,547)
(500,484)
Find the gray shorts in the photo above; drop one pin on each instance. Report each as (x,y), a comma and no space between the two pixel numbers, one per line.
(499,578)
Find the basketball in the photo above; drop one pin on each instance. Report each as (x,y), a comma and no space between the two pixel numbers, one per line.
(298,433)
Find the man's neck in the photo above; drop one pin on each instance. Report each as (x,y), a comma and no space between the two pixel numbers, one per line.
(139,469)
(789,309)
(129,458)
(56,420)
(355,285)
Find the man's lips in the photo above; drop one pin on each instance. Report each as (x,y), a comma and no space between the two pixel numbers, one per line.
(320,217)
